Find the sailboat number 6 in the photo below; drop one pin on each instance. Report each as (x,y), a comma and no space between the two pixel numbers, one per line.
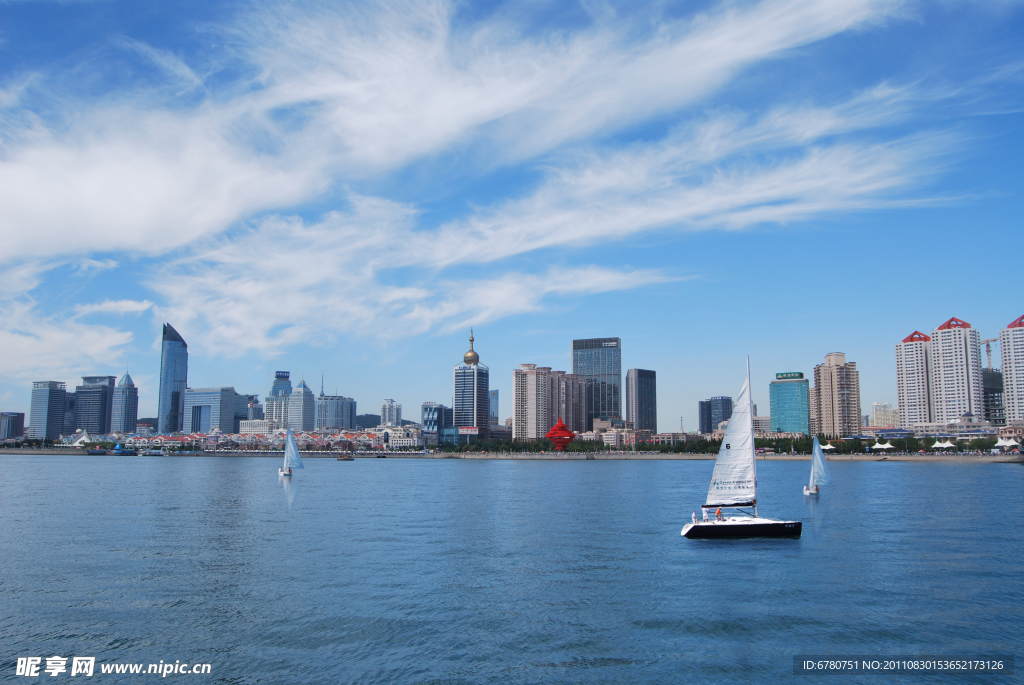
(726,445)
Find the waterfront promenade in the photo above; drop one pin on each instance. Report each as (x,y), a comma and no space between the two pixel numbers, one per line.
(567,456)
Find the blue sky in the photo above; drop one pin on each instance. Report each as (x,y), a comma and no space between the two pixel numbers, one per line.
(344,189)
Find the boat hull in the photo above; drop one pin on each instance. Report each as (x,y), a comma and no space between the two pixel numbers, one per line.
(743,528)
(808,492)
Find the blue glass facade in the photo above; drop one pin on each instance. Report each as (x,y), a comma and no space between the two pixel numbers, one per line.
(125,413)
(790,403)
(173,379)
(46,418)
(598,362)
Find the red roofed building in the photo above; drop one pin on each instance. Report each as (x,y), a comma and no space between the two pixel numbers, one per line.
(912,385)
(1011,348)
(954,364)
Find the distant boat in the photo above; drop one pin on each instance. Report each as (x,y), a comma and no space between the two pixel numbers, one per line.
(292,460)
(346,457)
(734,484)
(819,470)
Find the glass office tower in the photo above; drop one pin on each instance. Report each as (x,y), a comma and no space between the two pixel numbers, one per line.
(598,361)
(173,379)
(790,403)
(125,413)
(46,420)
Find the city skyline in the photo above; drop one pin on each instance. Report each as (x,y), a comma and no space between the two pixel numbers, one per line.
(281,380)
(528,174)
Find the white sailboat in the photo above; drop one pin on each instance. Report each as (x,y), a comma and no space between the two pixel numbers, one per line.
(292,460)
(819,470)
(734,484)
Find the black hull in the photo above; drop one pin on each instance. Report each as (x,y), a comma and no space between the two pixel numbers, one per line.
(776,529)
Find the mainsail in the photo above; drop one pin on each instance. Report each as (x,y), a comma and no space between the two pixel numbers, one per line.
(292,460)
(734,481)
(819,469)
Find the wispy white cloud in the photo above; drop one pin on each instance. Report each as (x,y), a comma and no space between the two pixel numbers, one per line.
(349,91)
(114,307)
(37,347)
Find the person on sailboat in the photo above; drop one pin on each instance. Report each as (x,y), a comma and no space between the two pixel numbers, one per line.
(694,517)
(705,515)
(718,514)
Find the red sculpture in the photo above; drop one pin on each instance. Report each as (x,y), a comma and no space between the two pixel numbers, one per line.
(560,435)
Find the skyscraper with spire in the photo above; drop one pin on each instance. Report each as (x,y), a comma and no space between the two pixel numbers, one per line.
(471,397)
(124,415)
(173,380)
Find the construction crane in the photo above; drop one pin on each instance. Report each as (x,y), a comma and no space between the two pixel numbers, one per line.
(988,349)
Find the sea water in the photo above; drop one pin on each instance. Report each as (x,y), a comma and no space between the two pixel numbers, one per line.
(476,571)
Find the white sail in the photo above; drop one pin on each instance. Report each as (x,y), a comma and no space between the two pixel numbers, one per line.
(292,460)
(734,481)
(819,469)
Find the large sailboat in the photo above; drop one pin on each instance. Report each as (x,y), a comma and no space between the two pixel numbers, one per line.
(292,460)
(819,470)
(734,484)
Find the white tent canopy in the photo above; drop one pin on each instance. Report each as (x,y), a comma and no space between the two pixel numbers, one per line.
(886,446)
(946,444)
(82,441)
(827,447)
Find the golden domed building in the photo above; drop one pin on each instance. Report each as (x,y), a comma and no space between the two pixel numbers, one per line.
(471,396)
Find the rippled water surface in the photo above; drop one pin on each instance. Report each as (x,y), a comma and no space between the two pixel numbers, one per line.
(404,570)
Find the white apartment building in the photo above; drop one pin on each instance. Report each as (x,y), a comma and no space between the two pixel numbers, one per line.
(1011,347)
(884,416)
(390,412)
(913,387)
(954,372)
(302,409)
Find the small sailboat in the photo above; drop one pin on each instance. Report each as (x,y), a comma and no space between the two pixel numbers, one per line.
(819,470)
(292,460)
(734,484)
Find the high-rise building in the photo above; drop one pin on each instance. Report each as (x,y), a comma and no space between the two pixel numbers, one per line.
(390,412)
(275,406)
(211,409)
(125,412)
(704,417)
(837,384)
(302,409)
(954,365)
(70,416)
(1011,349)
(434,417)
(572,401)
(883,415)
(813,408)
(789,403)
(282,384)
(471,396)
(335,411)
(533,400)
(913,387)
(493,408)
(642,399)
(12,425)
(992,392)
(254,410)
(94,400)
(46,417)
(598,361)
(173,379)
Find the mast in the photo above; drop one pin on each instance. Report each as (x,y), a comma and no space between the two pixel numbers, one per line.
(753,449)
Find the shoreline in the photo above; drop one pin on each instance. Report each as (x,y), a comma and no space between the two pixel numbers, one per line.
(574,456)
